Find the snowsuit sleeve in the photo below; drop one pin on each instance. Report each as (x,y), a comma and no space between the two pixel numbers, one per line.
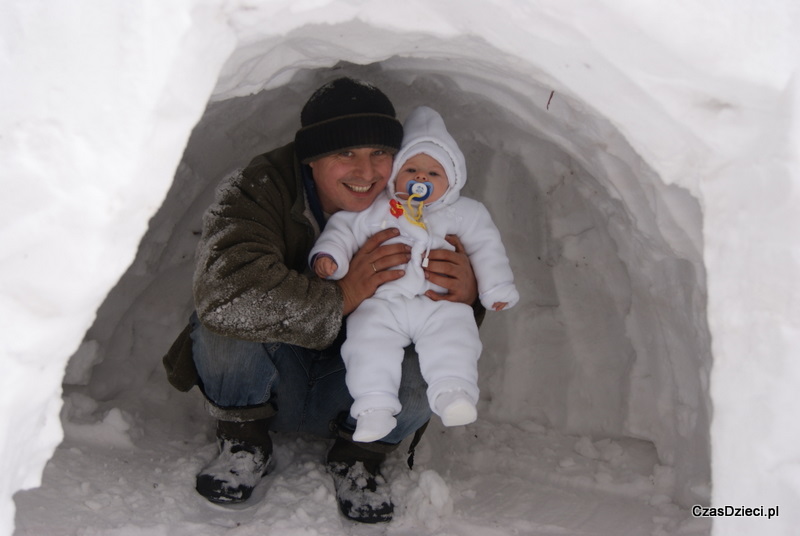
(487,255)
(249,282)
(340,239)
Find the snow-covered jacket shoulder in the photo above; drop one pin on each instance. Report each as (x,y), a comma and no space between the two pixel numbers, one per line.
(249,281)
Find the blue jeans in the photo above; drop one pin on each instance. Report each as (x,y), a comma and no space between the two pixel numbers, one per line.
(306,387)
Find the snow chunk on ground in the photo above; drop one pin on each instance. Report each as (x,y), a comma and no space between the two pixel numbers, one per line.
(80,427)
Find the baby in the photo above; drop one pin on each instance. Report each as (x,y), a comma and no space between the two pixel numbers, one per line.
(422,201)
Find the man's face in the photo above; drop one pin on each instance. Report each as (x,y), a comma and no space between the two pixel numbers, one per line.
(352,179)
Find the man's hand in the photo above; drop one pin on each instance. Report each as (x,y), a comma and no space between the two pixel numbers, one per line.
(453,271)
(369,268)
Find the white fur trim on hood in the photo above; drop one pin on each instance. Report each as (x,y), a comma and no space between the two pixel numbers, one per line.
(423,127)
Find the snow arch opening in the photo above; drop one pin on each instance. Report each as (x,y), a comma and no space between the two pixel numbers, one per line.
(610,339)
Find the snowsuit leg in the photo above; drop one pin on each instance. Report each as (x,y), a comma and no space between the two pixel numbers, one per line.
(373,354)
(448,344)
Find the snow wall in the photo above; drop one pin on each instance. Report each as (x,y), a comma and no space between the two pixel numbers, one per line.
(641,162)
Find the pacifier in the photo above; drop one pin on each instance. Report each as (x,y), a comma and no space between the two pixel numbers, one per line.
(421,190)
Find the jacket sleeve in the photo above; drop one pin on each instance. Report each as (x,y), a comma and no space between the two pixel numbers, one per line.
(487,255)
(243,287)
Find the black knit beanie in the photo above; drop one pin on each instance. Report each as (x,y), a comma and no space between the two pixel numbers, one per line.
(346,114)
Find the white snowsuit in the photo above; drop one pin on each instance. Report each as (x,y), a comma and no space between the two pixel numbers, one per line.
(444,333)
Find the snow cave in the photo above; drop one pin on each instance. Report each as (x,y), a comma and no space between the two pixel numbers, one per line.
(597,185)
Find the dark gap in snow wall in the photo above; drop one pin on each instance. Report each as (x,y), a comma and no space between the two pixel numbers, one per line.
(610,338)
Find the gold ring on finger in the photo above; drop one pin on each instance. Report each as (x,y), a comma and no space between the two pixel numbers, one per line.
(373,267)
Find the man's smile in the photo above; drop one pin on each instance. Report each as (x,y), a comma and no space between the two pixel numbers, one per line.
(359,189)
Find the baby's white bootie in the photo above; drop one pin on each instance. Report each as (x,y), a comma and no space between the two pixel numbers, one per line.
(455,408)
(374,424)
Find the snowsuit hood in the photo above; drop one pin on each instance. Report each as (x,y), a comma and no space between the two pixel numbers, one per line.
(425,132)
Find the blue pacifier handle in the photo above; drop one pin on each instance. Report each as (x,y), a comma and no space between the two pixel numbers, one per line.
(422,190)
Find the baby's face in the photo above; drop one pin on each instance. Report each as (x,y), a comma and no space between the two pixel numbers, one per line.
(422,168)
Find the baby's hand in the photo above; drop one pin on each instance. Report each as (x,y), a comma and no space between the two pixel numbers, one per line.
(325,267)
(499,305)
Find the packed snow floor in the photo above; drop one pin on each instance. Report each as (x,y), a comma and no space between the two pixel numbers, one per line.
(126,468)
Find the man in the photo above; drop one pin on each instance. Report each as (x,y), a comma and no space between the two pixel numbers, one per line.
(263,345)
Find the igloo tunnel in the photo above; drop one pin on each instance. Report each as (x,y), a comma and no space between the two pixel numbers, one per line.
(592,177)
(611,338)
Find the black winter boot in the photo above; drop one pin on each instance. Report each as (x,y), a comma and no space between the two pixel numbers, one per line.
(245,451)
(361,490)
